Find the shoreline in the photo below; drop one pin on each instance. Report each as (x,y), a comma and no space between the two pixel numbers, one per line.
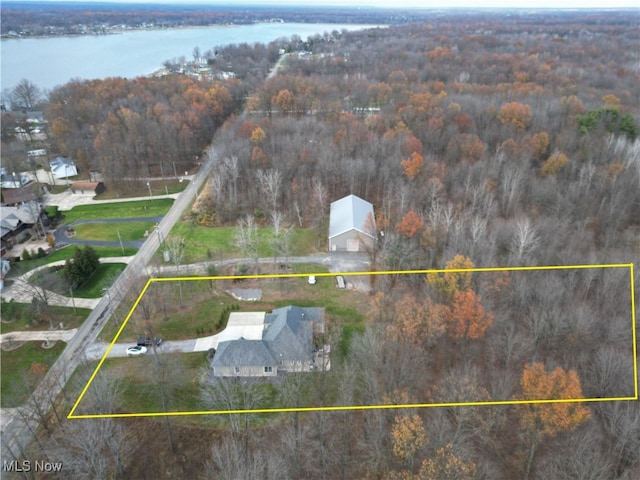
(120,31)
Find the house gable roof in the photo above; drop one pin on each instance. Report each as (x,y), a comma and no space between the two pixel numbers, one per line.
(11,217)
(19,195)
(349,213)
(63,167)
(243,353)
(288,333)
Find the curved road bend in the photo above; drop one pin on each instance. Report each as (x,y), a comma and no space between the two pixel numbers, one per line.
(17,431)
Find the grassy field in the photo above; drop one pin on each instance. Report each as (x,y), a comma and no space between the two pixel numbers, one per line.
(203,243)
(17,316)
(205,304)
(129,231)
(142,208)
(158,187)
(21,369)
(139,375)
(65,253)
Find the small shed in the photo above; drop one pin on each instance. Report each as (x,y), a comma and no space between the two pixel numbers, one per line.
(351,225)
(87,187)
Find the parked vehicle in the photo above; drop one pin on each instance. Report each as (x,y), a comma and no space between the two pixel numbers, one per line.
(148,341)
(136,351)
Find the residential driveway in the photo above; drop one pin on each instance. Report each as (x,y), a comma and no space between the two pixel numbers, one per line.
(66,200)
(53,335)
(96,350)
(62,238)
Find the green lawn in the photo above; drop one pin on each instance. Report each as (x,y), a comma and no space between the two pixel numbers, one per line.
(102,279)
(65,253)
(199,315)
(129,231)
(203,243)
(141,208)
(18,378)
(202,307)
(93,288)
(18,316)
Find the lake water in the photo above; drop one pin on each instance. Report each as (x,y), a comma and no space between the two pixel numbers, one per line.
(49,62)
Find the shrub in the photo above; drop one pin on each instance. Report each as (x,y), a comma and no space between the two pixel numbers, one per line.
(26,255)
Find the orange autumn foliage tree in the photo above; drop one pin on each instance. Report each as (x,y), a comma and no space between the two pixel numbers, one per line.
(515,114)
(554,164)
(547,420)
(551,419)
(258,136)
(448,283)
(408,438)
(410,224)
(413,164)
(466,318)
(446,465)
(418,321)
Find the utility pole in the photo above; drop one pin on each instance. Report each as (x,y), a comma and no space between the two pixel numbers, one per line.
(120,239)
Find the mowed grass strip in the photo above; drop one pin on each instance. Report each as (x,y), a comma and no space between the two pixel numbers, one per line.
(158,187)
(140,208)
(212,242)
(19,316)
(129,231)
(22,368)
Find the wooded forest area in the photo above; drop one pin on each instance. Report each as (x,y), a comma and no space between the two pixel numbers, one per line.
(481,141)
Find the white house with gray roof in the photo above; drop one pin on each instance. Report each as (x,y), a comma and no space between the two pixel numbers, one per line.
(268,343)
(351,225)
(62,167)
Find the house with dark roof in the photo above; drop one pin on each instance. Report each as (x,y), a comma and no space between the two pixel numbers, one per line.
(16,196)
(281,342)
(351,225)
(18,222)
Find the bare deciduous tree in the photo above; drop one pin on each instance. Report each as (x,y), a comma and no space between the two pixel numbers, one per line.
(246,237)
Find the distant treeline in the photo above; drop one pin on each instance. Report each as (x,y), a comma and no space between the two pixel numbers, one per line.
(52,18)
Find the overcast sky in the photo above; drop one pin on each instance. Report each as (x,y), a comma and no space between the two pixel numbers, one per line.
(405,3)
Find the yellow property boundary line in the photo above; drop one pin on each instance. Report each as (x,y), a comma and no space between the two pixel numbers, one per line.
(365,407)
